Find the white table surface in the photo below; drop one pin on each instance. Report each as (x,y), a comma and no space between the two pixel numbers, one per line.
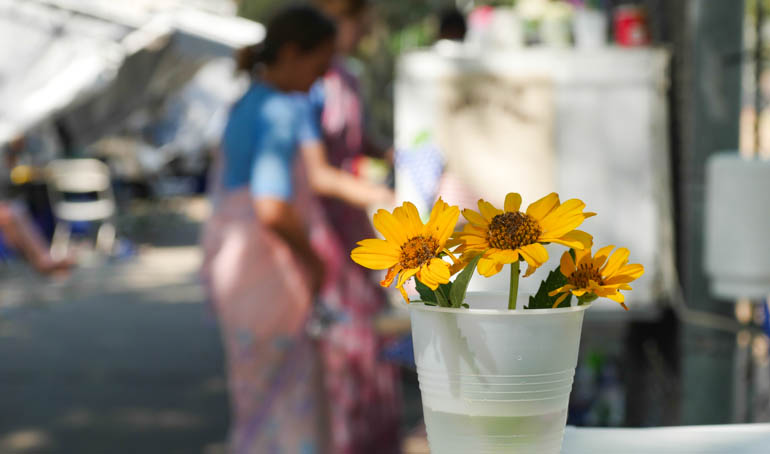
(721,439)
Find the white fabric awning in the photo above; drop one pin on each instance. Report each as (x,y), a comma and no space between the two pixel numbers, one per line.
(103,58)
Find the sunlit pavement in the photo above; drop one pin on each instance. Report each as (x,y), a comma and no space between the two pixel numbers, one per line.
(122,357)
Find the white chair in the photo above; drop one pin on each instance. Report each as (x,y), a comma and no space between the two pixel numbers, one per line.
(69,179)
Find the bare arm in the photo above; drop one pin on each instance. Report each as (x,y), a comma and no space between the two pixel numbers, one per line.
(330,181)
(280,217)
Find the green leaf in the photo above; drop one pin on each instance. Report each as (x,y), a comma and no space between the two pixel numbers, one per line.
(442,294)
(586,298)
(426,294)
(541,300)
(457,294)
(443,301)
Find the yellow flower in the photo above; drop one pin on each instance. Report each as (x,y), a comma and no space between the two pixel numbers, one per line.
(587,277)
(410,248)
(507,236)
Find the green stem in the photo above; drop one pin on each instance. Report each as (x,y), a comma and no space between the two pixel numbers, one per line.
(513,292)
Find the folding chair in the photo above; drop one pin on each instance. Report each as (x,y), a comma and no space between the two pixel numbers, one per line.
(80,191)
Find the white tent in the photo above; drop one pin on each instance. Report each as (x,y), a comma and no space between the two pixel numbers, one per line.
(90,63)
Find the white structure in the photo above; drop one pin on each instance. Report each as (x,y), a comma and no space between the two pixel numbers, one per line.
(590,124)
(737,245)
(103,56)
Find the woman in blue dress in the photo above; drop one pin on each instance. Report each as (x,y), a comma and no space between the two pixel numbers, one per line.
(260,270)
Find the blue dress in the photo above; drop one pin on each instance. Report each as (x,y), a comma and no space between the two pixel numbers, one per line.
(258,285)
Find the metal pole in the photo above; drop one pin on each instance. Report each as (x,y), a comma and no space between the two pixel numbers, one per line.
(760,12)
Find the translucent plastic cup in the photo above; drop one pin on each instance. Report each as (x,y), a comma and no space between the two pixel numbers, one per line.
(495,380)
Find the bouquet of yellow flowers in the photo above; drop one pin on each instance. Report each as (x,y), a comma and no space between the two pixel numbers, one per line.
(433,252)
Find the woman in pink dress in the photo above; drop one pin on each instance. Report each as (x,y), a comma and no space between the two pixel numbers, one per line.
(362,387)
(260,269)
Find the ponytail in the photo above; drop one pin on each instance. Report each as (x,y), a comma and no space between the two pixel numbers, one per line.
(247,58)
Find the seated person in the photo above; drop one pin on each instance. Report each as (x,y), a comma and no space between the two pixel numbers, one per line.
(19,232)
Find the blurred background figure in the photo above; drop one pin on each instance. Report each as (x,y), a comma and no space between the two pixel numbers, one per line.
(18,231)
(363,389)
(260,269)
(21,234)
(452,25)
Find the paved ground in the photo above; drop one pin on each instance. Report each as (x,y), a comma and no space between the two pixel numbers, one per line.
(121,358)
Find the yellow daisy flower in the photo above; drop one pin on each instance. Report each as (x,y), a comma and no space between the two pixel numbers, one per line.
(509,235)
(410,248)
(590,276)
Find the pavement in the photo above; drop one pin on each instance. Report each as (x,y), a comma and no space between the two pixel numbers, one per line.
(121,357)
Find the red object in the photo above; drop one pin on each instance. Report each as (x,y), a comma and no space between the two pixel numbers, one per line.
(631,26)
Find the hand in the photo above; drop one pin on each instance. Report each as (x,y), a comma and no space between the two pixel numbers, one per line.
(385,197)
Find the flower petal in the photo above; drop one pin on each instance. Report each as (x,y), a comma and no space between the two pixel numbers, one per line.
(562,289)
(618,298)
(512,202)
(375,254)
(567,266)
(488,210)
(568,209)
(535,255)
(542,207)
(601,256)
(488,267)
(434,273)
(409,217)
(536,251)
(582,256)
(504,256)
(403,294)
(389,226)
(404,276)
(626,274)
(616,260)
(443,225)
(392,272)
(474,218)
(559,300)
(562,226)
(576,239)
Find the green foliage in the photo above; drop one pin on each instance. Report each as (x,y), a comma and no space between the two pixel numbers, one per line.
(451,294)
(426,294)
(541,300)
(460,286)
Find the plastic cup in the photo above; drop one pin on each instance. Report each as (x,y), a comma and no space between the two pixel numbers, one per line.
(492,380)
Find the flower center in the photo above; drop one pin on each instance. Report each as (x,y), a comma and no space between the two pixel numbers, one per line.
(418,251)
(513,230)
(583,274)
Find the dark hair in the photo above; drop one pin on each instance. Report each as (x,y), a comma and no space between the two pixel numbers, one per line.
(304,26)
(343,8)
(452,24)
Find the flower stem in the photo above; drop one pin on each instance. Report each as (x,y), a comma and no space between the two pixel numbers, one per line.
(513,292)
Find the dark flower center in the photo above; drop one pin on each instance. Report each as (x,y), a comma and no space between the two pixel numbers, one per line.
(584,273)
(513,230)
(418,251)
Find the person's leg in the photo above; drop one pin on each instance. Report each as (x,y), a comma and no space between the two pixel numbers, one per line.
(21,234)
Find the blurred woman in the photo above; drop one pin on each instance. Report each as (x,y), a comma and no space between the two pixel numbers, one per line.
(363,389)
(259,267)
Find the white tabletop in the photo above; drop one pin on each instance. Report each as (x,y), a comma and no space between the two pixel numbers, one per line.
(722,439)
